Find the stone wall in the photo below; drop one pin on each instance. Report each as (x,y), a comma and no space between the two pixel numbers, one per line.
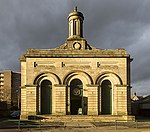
(91,71)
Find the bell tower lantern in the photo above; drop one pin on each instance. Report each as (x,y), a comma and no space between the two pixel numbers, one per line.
(75,40)
(75,21)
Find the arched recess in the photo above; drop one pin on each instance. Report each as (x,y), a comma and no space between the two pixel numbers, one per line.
(46,97)
(86,80)
(38,81)
(76,96)
(111,75)
(52,76)
(106,97)
(112,80)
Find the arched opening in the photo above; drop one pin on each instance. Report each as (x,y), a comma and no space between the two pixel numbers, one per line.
(46,97)
(76,97)
(106,97)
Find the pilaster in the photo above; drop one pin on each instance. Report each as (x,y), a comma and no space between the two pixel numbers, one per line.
(92,99)
(60,98)
(28,101)
(121,100)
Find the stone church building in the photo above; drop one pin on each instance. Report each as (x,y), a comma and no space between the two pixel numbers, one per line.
(75,78)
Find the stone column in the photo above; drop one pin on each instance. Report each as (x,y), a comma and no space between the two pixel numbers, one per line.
(60,98)
(92,99)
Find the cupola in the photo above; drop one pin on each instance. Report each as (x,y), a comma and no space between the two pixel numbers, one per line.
(75,21)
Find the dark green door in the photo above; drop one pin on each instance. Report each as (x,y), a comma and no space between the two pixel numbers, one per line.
(106,97)
(76,96)
(46,97)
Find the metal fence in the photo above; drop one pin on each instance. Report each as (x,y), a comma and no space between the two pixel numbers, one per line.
(117,124)
(38,124)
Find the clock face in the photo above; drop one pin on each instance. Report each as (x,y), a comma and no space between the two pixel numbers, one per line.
(77,45)
(76,91)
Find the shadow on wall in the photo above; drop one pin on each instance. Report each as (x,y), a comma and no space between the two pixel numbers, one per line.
(3,109)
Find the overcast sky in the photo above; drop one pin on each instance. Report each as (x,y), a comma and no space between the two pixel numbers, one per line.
(108,24)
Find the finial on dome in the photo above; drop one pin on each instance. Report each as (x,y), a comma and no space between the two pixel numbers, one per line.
(75,8)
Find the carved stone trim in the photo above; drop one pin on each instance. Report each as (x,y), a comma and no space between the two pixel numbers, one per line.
(76,64)
(59,85)
(30,85)
(124,85)
(43,63)
(89,85)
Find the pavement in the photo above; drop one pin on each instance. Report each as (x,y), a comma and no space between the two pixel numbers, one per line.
(79,124)
(93,129)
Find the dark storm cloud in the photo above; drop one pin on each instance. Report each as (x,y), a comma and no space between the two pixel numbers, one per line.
(108,24)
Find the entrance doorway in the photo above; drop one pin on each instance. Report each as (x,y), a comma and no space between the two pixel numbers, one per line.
(46,97)
(106,97)
(76,97)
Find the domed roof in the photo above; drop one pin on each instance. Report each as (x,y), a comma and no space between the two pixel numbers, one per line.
(76,13)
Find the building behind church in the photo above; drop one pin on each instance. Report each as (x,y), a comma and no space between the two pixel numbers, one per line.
(75,78)
(9,90)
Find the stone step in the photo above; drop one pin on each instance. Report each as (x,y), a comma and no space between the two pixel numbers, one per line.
(83,118)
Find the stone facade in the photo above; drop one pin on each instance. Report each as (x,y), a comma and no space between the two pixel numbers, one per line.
(77,77)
